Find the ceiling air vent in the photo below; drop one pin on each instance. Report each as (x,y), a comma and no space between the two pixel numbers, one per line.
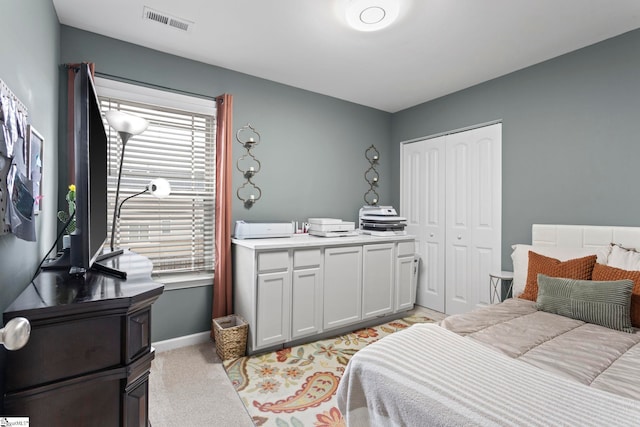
(166,19)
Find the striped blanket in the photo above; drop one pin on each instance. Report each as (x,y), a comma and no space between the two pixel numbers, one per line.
(429,376)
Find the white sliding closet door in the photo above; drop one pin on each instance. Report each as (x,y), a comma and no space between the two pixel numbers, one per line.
(451,194)
(423,204)
(474,212)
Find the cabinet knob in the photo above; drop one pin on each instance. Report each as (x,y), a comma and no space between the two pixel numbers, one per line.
(15,333)
(459,237)
(431,234)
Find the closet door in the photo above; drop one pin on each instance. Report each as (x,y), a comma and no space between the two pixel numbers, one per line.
(423,204)
(474,214)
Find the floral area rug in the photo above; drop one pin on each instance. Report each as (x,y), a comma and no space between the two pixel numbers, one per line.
(296,386)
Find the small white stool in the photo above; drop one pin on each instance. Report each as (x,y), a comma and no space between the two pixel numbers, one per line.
(495,281)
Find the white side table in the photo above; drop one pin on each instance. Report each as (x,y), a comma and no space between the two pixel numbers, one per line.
(495,281)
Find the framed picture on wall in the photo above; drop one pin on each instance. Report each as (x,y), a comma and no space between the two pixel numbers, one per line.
(35,145)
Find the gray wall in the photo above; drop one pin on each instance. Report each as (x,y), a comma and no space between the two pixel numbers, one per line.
(312,148)
(571,137)
(29,54)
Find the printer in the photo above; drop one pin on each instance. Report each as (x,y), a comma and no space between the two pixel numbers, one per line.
(381,221)
(331,227)
(262,230)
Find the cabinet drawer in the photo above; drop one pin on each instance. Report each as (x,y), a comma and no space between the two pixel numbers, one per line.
(138,334)
(65,350)
(406,248)
(271,261)
(306,258)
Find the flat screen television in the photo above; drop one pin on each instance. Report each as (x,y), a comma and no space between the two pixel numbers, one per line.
(90,170)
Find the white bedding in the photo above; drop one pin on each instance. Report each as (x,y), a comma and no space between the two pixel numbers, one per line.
(429,376)
(506,365)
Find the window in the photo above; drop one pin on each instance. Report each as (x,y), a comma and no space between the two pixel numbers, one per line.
(175,233)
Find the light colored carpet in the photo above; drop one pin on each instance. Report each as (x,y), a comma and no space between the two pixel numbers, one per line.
(189,387)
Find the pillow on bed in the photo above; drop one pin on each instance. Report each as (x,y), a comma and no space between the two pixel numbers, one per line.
(579,269)
(626,259)
(605,272)
(520,257)
(602,303)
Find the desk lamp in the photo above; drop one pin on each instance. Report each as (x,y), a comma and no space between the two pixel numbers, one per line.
(158,187)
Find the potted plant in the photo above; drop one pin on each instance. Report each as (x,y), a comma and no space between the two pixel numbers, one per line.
(68,217)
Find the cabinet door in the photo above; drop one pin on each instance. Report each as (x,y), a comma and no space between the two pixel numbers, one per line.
(377,286)
(342,286)
(405,279)
(305,294)
(136,405)
(272,309)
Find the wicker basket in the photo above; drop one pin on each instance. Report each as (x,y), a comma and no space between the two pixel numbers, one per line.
(230,334)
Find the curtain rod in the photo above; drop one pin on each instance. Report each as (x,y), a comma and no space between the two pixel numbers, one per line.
(154,86)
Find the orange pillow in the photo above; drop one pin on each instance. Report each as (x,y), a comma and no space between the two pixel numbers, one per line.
(606,273)
(579,269)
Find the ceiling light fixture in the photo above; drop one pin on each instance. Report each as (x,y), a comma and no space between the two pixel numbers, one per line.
(371,15)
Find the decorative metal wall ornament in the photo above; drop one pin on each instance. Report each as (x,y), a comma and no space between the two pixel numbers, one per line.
(372,176)
(249,166)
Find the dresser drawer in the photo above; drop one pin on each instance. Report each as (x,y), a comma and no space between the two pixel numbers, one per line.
(273,261)
(406,248)
(138,334)
(63,350)
(305,258)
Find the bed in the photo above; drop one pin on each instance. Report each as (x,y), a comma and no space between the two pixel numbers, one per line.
(569,357)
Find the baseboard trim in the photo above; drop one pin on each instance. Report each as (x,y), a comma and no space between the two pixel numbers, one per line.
(184,341)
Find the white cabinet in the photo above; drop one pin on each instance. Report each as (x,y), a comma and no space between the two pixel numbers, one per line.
(342,286)
(405,277)
(299,288)
(272,306)
(272,309)
(306,293)
(378,283)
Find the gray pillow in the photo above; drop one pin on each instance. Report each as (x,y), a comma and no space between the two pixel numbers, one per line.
(603,303)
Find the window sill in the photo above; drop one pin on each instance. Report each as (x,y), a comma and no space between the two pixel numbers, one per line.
(184,281)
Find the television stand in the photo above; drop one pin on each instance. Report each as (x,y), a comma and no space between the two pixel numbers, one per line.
(107,269)
(88,358)
(101,268)
(62,261)
(110,254)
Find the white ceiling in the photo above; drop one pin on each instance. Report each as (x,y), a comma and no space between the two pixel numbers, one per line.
(435,48)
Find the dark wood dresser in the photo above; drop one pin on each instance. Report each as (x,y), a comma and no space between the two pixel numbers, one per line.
(88,358)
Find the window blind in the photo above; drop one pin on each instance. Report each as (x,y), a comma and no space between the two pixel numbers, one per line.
(175,233)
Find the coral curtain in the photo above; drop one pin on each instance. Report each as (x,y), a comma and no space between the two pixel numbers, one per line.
(72,70)
(222,280)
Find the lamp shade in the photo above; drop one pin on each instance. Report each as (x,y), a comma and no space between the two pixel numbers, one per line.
(159,188)
(127,123)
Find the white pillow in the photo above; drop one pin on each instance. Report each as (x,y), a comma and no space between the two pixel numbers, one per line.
(625,259)
(520,257)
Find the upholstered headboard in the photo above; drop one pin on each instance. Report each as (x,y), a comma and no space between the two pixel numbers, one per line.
(565,242)
(584,236)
